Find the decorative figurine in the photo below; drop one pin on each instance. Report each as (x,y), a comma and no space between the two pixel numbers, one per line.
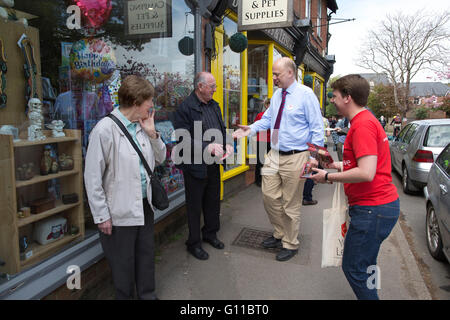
(10,130)
(65,162)
(57,128)
(25,172)
(46,163)
(55,167)
(36,120)
(7,3)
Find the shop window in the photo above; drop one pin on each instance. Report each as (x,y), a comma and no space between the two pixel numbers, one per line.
(317,88)
(319,17)
(78,71)
(257,79)
(258,56)
(231,86)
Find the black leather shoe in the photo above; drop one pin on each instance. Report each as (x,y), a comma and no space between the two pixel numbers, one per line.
(216,243)
(272,242)
(286,254)
(199,253)
(309,203)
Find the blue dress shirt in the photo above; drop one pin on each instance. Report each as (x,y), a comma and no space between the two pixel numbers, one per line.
(301,121)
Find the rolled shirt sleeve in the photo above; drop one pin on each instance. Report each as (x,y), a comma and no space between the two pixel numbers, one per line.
(314,117)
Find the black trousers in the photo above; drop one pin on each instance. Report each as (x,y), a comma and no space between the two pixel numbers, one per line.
(130,252)
(202,195)
(260,160)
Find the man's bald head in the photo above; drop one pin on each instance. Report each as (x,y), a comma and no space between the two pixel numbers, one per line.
(284,72)
(204,86)
(287,63)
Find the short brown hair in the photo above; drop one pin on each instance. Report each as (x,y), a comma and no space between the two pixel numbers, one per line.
(355,86)
(134,90)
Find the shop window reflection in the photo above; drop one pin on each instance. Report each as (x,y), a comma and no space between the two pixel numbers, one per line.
(258,57)
(231,86)
(81,101)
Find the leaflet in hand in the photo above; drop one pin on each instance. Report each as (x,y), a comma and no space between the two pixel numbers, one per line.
(306,171)
(321,154)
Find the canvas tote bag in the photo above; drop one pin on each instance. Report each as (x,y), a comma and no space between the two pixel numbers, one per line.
(335,226)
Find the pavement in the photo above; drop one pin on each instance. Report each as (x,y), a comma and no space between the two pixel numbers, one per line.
(241,272)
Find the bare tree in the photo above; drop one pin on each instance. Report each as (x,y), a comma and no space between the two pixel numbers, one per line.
(402,46)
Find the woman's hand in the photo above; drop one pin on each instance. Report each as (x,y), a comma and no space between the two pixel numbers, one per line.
(148,125)
(106,227)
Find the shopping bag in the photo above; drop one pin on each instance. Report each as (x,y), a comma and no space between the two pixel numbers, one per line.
(335,226)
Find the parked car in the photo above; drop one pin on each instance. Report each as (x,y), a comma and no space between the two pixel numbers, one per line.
(438,207)
(416,147)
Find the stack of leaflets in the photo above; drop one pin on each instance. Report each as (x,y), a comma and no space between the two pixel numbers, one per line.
(321,154)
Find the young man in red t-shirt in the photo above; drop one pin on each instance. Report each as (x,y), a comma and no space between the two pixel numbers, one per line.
(373,201)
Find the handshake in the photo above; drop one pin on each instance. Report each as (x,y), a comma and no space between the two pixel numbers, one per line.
(216,150)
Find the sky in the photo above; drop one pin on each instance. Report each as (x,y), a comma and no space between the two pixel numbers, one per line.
(347,37)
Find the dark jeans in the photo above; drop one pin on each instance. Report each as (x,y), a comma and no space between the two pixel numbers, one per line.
(260,160)
(307,190)
(369,226)
(202,195)
(131,255)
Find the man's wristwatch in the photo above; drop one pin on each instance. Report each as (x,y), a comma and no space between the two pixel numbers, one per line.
(326,176)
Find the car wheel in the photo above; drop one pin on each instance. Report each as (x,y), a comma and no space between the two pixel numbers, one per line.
(434,241)
(406,182)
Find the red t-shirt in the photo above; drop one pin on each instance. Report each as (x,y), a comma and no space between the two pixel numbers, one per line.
(262,136)
(367,137)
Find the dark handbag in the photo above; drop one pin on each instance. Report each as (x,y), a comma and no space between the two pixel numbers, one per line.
(159,196)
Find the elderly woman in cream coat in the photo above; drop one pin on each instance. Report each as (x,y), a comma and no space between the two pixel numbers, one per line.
(119,189)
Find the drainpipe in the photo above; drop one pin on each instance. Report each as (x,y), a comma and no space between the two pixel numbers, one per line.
(198,40)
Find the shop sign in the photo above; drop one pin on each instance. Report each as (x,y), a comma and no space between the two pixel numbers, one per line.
(148,18)
(264,14)
(281,37)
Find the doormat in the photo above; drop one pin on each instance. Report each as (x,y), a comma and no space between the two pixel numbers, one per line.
(252,239)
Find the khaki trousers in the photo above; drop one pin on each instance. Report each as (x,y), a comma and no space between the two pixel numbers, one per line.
(282,194)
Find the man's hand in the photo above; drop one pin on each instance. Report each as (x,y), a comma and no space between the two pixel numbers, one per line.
(312,163)
(106,227)
(243,131)
(230,150)
(215,149)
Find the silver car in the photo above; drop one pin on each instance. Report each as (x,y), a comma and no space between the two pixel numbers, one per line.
(438,207)
(416,147)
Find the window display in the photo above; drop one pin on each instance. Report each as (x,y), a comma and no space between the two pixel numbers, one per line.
(66,71)
(231,87)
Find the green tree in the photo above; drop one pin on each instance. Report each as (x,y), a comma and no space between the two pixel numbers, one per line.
(382,102)
(421,113)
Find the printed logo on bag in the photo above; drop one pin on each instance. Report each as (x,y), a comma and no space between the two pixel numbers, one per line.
(344,229)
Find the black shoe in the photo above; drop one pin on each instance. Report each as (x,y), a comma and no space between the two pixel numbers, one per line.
(272,242)
(199,253)
(309,203)
(286,254)
(216,243)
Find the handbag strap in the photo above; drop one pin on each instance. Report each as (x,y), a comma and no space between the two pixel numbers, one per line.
(128,135)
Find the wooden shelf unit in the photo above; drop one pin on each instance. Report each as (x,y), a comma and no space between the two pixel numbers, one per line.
(12,227)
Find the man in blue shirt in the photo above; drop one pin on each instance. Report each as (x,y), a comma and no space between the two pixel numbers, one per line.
(294,118)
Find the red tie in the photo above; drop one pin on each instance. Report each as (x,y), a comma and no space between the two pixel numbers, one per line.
(278,120)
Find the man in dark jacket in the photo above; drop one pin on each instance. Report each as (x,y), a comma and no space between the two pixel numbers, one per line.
(197,114)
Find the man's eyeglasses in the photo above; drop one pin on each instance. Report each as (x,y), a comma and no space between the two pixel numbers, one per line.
(212,86)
